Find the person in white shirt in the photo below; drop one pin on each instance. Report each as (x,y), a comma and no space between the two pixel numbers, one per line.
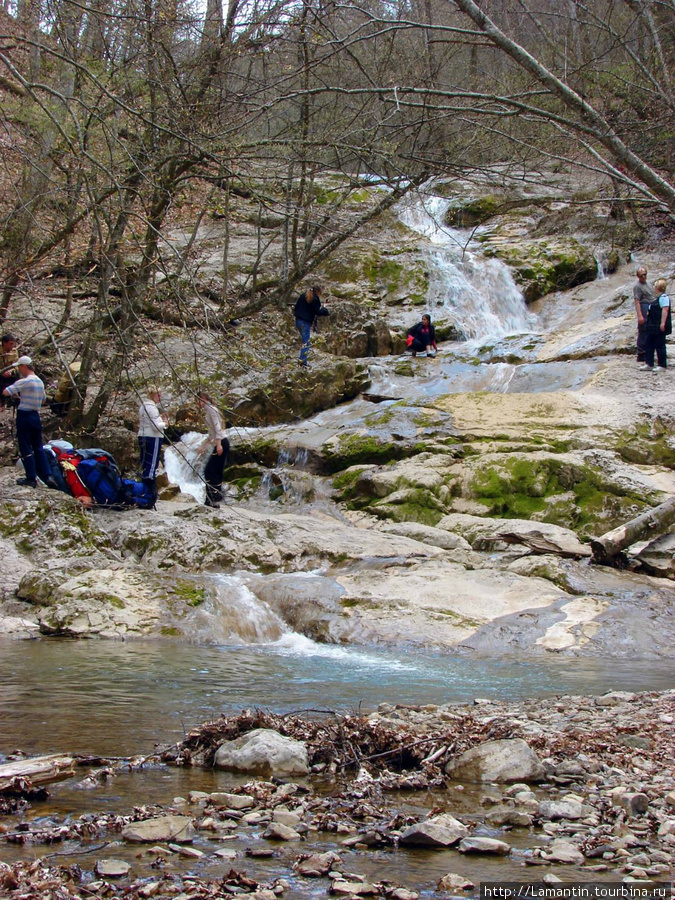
(217,439)
(150,432)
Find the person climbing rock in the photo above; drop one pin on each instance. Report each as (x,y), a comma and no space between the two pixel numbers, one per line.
(217,439)
(31,393)
(422,337)
(307,309)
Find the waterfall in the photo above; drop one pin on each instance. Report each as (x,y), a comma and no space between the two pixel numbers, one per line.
(184,465)
(479,294)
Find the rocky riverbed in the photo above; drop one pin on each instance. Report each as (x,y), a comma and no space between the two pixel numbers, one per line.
(563,789)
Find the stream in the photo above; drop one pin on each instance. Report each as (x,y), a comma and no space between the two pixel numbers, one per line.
(118,699)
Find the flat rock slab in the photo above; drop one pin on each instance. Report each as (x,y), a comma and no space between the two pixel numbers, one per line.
(484,845)
(112,868)
(177,829)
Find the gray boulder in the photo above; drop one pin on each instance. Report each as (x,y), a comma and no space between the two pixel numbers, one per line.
(177,829)
(263,752)
(440,831)
(499,761)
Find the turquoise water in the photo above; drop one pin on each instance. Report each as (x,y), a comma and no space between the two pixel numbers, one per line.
(120,698)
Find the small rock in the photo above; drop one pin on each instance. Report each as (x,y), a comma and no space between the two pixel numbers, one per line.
(404,894)
(560,809)
(317,865)
(484,845)
(187,852)
(231,801)
(348,888)
(259,852)
(178,829)
(226,853)
(439,831)
(550,878)
(277,832)
(112,868)
(454,882)
(563,851)
(292,820)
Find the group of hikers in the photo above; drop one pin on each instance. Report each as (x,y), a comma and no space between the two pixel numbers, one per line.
(421,338)
(654,321)
(21,386)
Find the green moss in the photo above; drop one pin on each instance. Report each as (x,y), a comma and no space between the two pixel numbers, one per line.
(404,367)
(408,512)
(525,489)
(190,593)
(170,631)
(347,479)
(358,448)
(647,443)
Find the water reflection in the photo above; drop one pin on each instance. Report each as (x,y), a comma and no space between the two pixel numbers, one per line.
(119,698)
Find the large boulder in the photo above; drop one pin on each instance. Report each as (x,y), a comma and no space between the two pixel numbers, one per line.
(263,752)
(500,761)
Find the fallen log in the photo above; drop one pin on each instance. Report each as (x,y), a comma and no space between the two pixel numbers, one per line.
(38,771)
(646,526)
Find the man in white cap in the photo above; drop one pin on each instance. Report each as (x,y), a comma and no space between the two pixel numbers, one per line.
(31,393)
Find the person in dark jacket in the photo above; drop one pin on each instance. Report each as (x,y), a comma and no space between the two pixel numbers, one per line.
(423,337)
(307,308)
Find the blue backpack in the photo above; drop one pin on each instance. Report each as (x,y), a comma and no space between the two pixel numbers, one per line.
(139,494)
(102,479)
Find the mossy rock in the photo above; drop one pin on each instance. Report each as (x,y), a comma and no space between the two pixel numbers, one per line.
(647,443)
(472,212)
(556,491)
(410,505)
(345,451)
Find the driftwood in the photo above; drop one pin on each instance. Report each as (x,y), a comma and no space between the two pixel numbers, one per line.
(38,771)
(648,525)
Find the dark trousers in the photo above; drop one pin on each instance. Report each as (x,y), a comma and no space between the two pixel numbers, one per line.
(418,346)
(641,341)
(29,436)
(213,473)
(149,447)
(656,341)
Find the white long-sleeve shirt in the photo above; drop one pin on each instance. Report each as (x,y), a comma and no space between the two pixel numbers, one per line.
(150,423)
(214,423)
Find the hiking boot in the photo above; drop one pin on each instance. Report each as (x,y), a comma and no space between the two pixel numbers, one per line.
(646,368)
(27,482)
(52,484)
(212,504)
(431,354)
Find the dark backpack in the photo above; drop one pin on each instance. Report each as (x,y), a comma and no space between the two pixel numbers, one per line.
(654,318)
(102,479)
(139,494)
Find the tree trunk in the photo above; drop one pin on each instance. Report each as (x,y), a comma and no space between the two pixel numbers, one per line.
(647,525)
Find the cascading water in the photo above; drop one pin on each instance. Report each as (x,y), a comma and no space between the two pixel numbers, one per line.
(480,294)
(184,464)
